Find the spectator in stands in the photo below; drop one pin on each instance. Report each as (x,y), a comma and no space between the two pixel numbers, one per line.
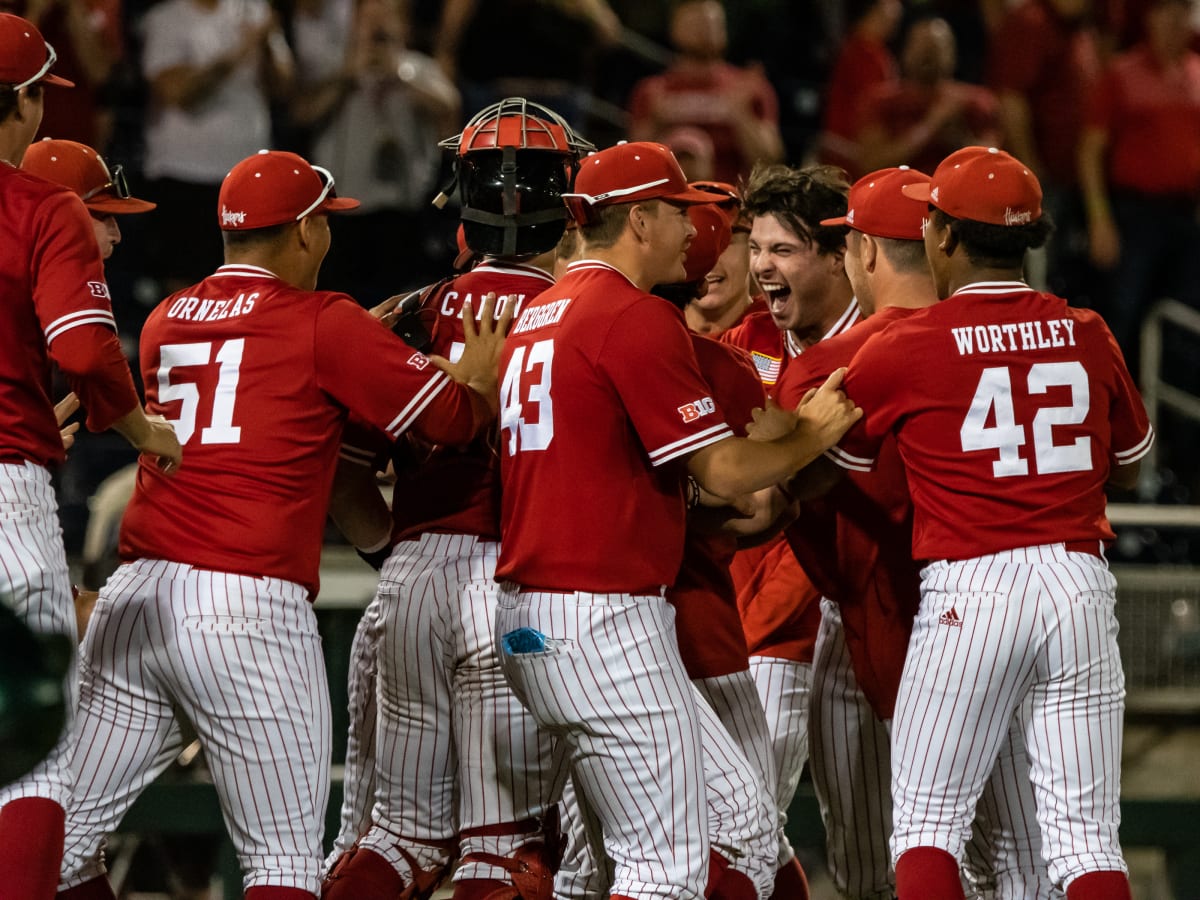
(736,107)
(927,115)
(864,63)
(542,50)
(694,150)
(86,35)
(211,66)
(1043,62)
(377,120)
(1139,166)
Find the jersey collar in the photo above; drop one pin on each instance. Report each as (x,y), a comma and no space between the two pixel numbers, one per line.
(241,270)
(993,287)
(581,264)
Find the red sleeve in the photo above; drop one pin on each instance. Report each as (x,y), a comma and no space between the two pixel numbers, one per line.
(1132,434)
(669,403)
(364,444)
(871,383)
(70,296)
(95,367)
(802,373)
(373,373)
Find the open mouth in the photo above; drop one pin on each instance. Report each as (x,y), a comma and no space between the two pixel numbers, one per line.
(778,296)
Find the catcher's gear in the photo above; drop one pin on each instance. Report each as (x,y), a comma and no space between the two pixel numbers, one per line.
(513,161)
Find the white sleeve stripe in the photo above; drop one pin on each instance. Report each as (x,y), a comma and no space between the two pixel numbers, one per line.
(846,461)
(95,320)
(668,448)
(416,399)
(61,320)
(418,403)
(696,442)
(1136,452)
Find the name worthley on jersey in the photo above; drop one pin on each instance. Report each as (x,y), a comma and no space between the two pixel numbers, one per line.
(1014,336)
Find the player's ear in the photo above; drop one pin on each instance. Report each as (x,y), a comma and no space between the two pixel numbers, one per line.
(639,216)
(868,252)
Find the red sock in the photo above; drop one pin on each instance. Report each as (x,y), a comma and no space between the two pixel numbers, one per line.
(484,889)
(31,848)
(1100,886)
(927,873)
(364,876)
(273,892)
(790,883)
(97,888)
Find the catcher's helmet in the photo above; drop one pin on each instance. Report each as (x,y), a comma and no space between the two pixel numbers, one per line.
(513,161)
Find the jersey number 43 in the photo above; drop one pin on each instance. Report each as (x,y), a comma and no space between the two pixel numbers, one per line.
(995,394)
(526,410)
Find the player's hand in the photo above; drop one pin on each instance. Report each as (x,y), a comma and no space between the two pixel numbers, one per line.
(63,410)
(827,413)
(385,312)
(479,365)
(162,444)
(771,422)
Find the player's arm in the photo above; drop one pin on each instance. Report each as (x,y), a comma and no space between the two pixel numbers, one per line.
(736,466)
(1125,478)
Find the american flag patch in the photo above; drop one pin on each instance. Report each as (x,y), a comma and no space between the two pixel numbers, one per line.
(768,366)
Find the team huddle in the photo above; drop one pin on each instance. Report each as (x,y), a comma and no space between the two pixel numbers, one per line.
(634,575)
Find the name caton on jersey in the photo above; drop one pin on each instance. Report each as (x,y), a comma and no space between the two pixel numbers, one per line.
(1013,336)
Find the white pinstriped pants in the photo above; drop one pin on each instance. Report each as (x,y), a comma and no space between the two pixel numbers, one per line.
(358,780)
(850,764)
(1037,640)
(610,685)
(734,699)
(240,657)
(455,748)
(35,584)
(783,688)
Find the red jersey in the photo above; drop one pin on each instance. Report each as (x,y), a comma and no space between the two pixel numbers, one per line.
(1009,425)
(863,64)
(55,306)
(855,543)
(1151,116)
(777,600)
(257,377)
(709,628)
(601,393)
(443,489)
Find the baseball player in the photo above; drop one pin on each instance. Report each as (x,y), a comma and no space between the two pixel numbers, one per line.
(210,614)
(799,265)
(1019,414)
(460,762)
(855,544)
(54,307)
(104,191)
(708,627)
(600,387)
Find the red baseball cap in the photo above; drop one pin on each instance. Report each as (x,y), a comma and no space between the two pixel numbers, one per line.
(982,184)
(273,187)
(80,168)
(879,206)
(713,234)
(25,57)
(627,173)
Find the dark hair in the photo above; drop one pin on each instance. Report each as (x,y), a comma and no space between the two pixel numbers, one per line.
(608,225)
(801,198)
(996,246)
(680,294)
(254,237)
(905,256)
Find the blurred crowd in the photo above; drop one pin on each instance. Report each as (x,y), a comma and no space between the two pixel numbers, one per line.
(1102,97)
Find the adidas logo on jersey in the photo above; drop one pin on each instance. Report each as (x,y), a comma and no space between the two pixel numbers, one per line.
(950,617)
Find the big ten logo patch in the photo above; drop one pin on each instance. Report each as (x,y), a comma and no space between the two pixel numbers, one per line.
(697,408)
(418,361)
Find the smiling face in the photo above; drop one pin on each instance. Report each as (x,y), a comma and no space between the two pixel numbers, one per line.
(806,290)
(668,231)
(728,282)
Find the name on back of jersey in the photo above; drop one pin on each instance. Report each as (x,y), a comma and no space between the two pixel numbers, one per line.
(541,316)
(453,301)
(1014,336)
(195,309)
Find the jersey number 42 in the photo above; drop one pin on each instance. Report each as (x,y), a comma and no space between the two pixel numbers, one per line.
(526,410)
(1005,434)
